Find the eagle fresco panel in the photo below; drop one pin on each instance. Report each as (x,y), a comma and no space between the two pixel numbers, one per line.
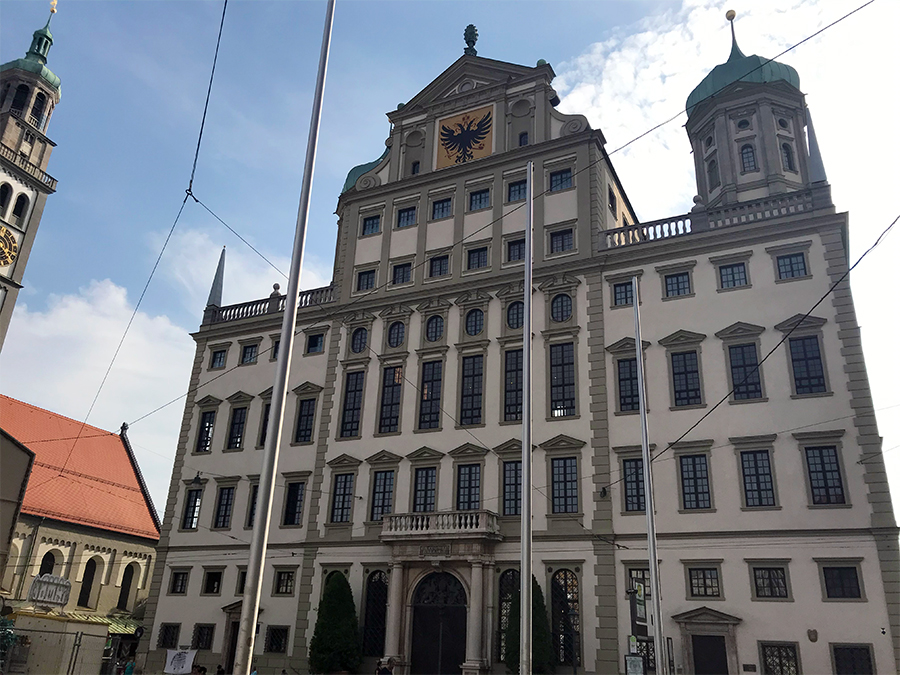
(465,137)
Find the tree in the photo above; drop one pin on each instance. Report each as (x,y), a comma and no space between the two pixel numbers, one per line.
(541,643)
(335,643)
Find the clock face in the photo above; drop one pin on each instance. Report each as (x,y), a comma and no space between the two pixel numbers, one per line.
(9,249)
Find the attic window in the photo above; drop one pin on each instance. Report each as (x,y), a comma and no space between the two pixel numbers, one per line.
(743,124)
(709,141)
(783,123)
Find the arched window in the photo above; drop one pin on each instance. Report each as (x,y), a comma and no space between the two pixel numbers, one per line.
(127,582)
(358,340)
(376,613)
(20,100)
(748,158)
(434,328)
(5,196)
(87,583)
(396,334)
(19,209)
(561,307)
(37,110)
(474,322)
(712,174)
(48,562)
(515,314)
(565,619)
(787,157)
(523,139)
(509,586)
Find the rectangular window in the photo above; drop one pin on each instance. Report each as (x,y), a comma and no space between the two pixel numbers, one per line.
(439,266)
(391,388)
(512,386)
(168,635)
(512,488)
(853,660)
(382,494)
(770,582)
(406,217)
(562,380)
(686,378)
(779,659)
(178,582)
(563,240)
(477,258)
(371,225)
(468,487)
(633,474)
(224,506)
(806,360)
(365,280)
(276,640)
(402,274)
(191,516)
(841,582)
(560,180)
(628,385)
(695,482)
(251,511)
(315,344)
(212,582)
(515,192)
(791,266)
(342,498)
(472,385)
(704,582)
(275,347)
(442,208)
(236,429)
(733,276)
(424,489)
(353,392)
(203,636)
(430,404)
(825,475)
(204,438)
(678,284)
(515,250)
(264,428)
(564,472)
(249,354)
(217,361)
(241,582)
(745,380)
(759,489)
(480,199)
(293,503)
(613,202)
(623,294)
(306,415)
(284,582)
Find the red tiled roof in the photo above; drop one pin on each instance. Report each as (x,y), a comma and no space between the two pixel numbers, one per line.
(94,482)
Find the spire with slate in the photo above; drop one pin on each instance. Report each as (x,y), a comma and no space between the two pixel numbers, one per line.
(215,293)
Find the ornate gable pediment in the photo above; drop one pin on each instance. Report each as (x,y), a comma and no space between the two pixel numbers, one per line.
(425,454)
(344,461)
(265,394)
(562,442)
(740,329)
(560,282)
(433,304)
(682,338)
(511,447)
(358,318)
(383,458)
(515,290)
(240,397)
(208,401)
(800,322)
(307,388)
(395,311)
(476,297)
(625,346)
(468,450)
(706,615)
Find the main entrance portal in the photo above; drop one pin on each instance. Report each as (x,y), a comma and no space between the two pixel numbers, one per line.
(438,626)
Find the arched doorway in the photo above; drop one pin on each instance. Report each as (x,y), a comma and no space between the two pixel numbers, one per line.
(48,563)
(125,592)
(438,626)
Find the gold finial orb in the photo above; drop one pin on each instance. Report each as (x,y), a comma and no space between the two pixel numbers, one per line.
(730,15)
(53,6)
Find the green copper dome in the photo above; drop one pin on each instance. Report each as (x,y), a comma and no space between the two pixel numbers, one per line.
(744,68)
(35,60)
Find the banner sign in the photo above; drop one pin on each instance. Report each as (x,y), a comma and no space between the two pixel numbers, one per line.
(179,661)
(49,590)
(638,609)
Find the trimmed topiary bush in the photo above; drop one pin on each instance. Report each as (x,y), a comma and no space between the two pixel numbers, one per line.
(542,660)
(335,643)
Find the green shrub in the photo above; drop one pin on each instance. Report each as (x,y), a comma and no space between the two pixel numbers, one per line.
(542,660)
(335,643)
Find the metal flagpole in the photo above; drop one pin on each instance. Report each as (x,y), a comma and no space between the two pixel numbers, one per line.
(525,565)
(662,663)
(259,540)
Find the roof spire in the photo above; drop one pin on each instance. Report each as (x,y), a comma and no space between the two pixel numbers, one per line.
(736,52)
(215,293)
(816,165)
(42,40)
(470,35)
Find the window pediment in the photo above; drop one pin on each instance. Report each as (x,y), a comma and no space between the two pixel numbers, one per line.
(354,319)
(383,458)
(240,397)
(625,346)
(562,282)
(740,330)
(344,461)
(396,311)
(800,322)
(515,291)
(266,394)
(705,615)
(468,450)
(306,388)
(473,298)
(425,454)
(562,442)
(682,338)
(434,305)
(208,401)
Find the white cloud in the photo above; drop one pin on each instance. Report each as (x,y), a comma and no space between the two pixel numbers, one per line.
(56,359)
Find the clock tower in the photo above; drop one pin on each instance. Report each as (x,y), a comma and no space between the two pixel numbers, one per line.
(29,92)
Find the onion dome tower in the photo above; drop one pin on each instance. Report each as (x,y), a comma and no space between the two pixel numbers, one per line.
(745,122)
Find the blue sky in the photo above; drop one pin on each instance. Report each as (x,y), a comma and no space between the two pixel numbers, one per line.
(134,78)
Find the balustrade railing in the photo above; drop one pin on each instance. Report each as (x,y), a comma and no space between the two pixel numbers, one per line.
(450,523)
(761,209)
(271,305)
(651,231)
(28,167)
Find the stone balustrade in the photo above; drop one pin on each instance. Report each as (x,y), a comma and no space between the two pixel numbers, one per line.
(440,525)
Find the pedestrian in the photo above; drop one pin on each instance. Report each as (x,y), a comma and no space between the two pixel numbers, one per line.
(220,670)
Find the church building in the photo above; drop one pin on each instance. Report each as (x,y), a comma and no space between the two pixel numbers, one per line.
(400,463)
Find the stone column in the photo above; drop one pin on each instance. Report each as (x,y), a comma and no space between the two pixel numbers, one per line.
(474,656)
(394,611)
